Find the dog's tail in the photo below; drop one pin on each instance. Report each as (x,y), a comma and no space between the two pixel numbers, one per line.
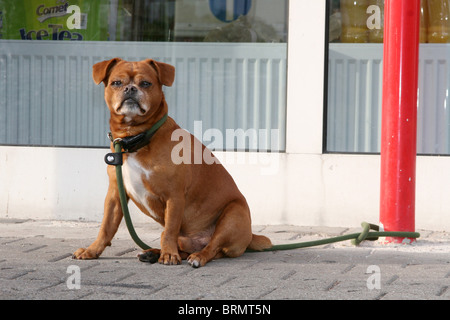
(259,243)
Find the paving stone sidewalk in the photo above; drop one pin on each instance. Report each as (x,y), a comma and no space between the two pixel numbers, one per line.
(36,263)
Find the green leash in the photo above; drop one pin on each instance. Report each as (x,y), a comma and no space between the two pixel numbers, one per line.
(116,160)
(124,204)
(356,238)
(133,143)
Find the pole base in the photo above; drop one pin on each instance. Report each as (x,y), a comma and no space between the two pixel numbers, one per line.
(397,240)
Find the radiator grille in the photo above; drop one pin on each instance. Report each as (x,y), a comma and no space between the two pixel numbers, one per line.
(48,96)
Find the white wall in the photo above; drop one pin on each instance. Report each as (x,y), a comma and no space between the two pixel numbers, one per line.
(300,189)
(304,187)
(52,183)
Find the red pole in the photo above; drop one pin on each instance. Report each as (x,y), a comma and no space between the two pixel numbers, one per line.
(399,117)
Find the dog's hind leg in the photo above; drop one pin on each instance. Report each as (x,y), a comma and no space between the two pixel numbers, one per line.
(231,237)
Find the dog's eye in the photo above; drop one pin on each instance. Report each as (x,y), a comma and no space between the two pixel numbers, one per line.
(145,84)
(116,83)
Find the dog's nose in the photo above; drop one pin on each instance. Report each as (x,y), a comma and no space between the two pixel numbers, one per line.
(130,89)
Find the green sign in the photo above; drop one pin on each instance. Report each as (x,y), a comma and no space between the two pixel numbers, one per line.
(74,20)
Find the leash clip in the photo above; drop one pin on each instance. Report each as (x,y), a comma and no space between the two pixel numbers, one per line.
(114,159)
(114,141)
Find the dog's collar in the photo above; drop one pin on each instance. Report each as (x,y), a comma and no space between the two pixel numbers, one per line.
(134,143)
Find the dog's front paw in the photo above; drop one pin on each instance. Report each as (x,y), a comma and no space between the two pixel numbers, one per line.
(84,254)
(169,258)
(196,260)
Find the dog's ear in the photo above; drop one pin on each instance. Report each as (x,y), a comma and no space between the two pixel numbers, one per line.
(101,70)
(165,71)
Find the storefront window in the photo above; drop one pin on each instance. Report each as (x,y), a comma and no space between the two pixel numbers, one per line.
(355,68)
(230,59)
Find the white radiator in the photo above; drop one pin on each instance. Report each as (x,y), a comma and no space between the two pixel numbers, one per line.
(355,96)
(48,97)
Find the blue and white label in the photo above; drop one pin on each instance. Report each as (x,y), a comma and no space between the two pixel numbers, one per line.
(229,10)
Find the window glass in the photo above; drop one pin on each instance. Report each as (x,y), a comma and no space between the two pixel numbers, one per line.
(230,59)
(355,68)
(54,20)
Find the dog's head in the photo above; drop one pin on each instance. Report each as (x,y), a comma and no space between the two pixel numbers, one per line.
(133,89)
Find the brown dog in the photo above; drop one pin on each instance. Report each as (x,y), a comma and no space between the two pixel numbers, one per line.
(203,213)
